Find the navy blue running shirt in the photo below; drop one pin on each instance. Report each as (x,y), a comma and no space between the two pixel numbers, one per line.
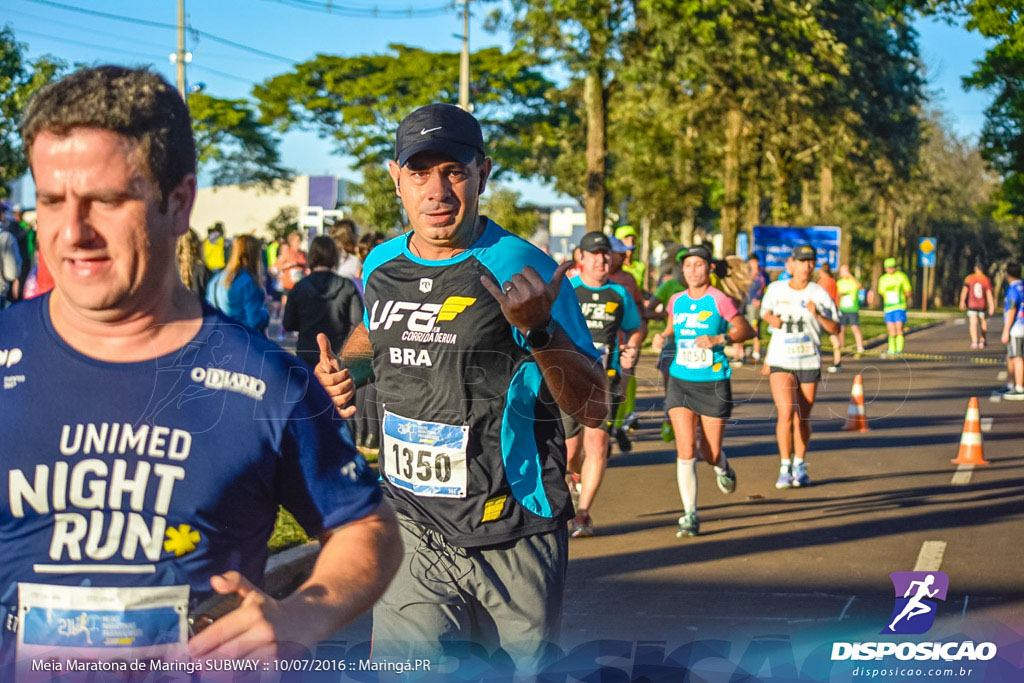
(161,472)
(472,445)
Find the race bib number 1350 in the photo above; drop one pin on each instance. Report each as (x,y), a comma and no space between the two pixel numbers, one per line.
(425,458)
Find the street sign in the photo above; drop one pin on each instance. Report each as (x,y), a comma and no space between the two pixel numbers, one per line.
(773,244)
(926,248)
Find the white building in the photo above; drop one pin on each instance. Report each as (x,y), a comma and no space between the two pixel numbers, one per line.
(248,209)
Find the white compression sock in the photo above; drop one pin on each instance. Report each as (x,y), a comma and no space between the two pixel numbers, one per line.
(686,477)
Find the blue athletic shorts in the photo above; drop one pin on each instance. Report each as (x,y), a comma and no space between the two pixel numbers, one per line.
(899,316)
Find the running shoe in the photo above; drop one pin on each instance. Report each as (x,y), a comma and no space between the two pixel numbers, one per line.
(756,355)
(622,438)
(582,526)
(1015,395)
(668,435)
(974,345)
(833,369)
(785,479)
(726,480)
(631,421)
(800,477)
(689,525)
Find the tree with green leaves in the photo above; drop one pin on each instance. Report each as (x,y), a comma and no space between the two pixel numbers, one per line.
(585,37)
(232,144)
(19,80)
(1001,73)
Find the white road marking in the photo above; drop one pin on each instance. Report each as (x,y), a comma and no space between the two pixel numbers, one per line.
(846,607)
(986,424)
(1001,376)
(996,397)
(962,476)
(930,557)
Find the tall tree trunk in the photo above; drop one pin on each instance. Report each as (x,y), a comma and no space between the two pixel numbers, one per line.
(780,195)
(594,102)
(752,202)
(730,206)
(826,188)
(645,251)
(687,226)
(806,205)
(881,252)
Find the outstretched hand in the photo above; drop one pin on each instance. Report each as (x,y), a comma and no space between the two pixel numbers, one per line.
(526,299)
(335,379)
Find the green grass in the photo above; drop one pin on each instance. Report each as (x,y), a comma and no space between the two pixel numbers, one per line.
(287,533)
(870,326)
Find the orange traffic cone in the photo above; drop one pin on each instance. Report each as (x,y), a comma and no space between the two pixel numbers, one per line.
(970,442)
(855,420)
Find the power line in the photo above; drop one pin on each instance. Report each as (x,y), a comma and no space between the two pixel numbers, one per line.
(377,12)
(107,48)
(160,24)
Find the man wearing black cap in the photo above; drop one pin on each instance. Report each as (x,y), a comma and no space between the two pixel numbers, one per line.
(797,310)
(608,309)
(475,345)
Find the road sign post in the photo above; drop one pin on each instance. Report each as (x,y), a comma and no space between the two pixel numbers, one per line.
(926,250)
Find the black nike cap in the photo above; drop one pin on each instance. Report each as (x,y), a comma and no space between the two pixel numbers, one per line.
(595,241)
(439,128)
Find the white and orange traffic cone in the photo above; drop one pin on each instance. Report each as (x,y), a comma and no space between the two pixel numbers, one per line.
(970,441)
(855,418)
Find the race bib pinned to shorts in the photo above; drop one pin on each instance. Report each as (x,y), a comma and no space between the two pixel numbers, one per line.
(690,356)
(89,624)
(425,458)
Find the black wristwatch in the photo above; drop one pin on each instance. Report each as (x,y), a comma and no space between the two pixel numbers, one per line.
(539,337)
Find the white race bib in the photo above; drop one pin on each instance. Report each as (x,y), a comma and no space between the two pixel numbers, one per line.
(892,297)
(846,301)
(798,346)
(425,458)
(689,356)
(87,623)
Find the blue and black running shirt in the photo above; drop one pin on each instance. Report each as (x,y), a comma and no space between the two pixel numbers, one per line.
(608,310)
(472,445)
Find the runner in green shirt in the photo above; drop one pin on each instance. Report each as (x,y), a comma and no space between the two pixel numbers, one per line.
(849,307)
(895,289)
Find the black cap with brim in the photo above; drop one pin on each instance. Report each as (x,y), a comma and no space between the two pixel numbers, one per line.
(696,250)
(804,252)
(440,128)
(595,241)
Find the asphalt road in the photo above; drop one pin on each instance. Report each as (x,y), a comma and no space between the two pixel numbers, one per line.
(807,566)
(776,577)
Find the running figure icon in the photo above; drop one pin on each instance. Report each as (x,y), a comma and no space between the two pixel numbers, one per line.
(915,606)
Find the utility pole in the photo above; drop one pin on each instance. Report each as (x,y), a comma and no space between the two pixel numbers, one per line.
(464,61)
(179,57)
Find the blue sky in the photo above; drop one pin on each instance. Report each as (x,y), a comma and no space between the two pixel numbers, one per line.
(287,31)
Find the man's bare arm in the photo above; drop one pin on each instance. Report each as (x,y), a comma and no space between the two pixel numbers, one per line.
(354,567)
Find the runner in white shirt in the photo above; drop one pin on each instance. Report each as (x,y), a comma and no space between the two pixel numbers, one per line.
(797,310)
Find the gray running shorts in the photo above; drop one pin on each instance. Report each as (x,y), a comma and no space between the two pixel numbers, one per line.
(446,599)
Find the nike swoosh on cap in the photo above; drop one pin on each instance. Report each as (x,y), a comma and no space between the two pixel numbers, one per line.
(430,130)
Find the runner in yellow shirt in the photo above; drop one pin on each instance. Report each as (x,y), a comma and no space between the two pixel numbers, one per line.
(895,289)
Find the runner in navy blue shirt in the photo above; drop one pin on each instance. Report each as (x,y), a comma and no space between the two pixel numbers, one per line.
(151,440)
